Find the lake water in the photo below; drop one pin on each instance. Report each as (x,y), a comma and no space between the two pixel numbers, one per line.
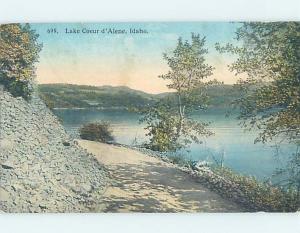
(229,139)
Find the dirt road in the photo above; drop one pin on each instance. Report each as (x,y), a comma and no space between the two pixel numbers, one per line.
(141,183)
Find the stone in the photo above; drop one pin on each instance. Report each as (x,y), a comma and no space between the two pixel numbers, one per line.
(6,166)
(4,195)
(36,155)
(6,144)
(66,143)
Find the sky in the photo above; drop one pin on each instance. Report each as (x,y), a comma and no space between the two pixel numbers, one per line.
(133,60)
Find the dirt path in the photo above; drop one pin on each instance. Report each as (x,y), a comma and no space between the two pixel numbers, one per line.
(146,184)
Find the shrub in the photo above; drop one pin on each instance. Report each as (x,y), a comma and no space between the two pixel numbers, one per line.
(177,159)
(100,132)
(181,160)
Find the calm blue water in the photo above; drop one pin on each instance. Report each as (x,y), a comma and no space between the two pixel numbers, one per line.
(230,140)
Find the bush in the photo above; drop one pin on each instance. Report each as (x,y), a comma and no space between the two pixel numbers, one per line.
(17,88)
(100,132)
(181,160)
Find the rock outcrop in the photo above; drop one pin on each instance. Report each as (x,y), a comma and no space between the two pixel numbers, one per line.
(41,168)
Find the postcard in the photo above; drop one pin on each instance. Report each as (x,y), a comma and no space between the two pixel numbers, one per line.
(150,117)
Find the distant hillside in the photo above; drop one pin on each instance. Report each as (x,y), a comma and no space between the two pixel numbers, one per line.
(81,96)
(69,96)
(221,96)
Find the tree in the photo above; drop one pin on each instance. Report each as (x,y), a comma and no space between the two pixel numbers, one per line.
(18,53)
(269,54)
(169,124)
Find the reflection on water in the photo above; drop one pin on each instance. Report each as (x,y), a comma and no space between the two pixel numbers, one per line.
(229,139)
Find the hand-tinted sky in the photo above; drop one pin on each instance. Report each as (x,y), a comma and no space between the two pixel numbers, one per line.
(133,60)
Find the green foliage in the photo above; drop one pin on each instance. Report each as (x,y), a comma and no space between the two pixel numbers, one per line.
(18,53)
(162,122)
(270,56)
(161,127)
(168,123)
(261,196)
(100,132)
(181,161)
(289,176)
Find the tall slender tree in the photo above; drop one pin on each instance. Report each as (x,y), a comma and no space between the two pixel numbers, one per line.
(168,122)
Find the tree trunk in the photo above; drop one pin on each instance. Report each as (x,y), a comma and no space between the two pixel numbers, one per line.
(181,115)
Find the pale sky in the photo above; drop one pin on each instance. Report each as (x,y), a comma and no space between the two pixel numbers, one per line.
(133,60)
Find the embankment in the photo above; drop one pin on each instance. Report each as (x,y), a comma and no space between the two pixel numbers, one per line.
(41,168)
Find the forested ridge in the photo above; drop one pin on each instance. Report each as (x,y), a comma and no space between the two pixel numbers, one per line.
(84,96)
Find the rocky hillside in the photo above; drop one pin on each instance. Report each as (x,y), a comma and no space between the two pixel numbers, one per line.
(41,168)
